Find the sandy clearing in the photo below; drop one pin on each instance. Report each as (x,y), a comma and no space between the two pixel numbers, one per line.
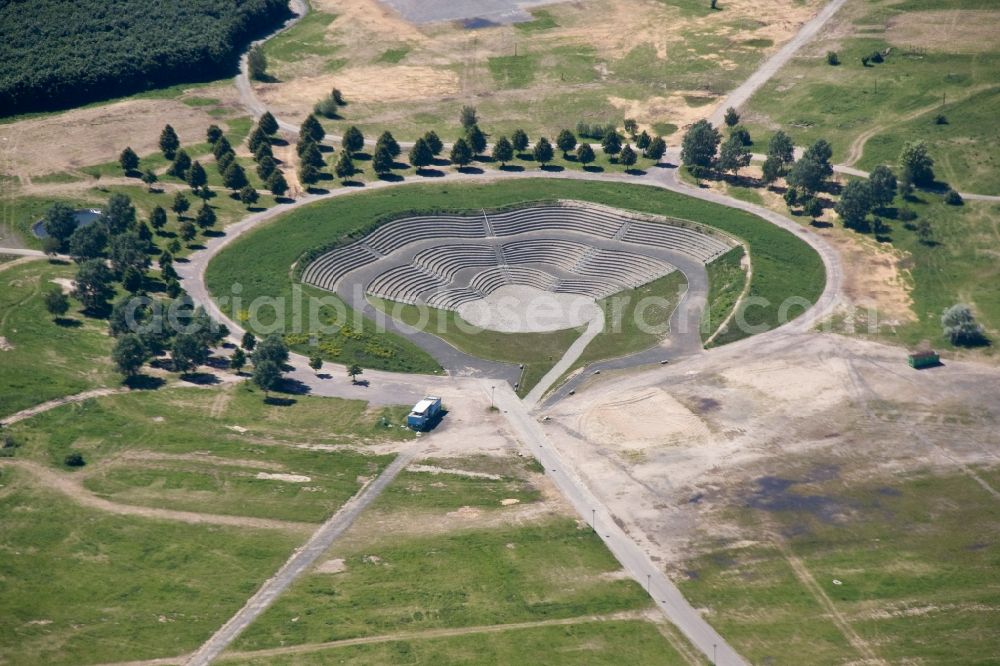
(67,285)
(288,478)
(332,566)
(642,419)
(98,134)
(5,344)
(946,31)
(432,469)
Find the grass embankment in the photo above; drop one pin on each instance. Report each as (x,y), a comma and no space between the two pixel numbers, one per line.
(915,560)
(726,280)
(900,98)
(192,450)
(260,261)
(537,351)
(81,587)
(41,359)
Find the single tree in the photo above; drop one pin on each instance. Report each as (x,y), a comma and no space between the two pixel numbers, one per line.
(128,249)
(129,161)
(821,152)
(56,302)
(312,129)
(224,161)
(169,143)
(267,123)
(353,371)
(388,141)
(628,157)
(353,140)
(187,352)
(308,175)
(344,167)
(791,197)
(733,155)
(382,161)
(631,126)
(180,204)
(855,203)
(257,138)
(277,184)
(234,178)
(248,195)
(174,246)
(133,280)
(916,166)
(585,154)
(257,63)
(960,326)
(60,222)
(643,140)
(611,144)
(316,362)
(188,231)
(656,149)
(832,58)
(158,218)
(566,141)
(476,139)
(206,217)
(213,134)
(180,165)
(807,174)
(74,459)
(461,153)
(519,140)
(267,376)
(771,169)
(338,97)
(742,133)
(221,147)
(118,214)
(433,142)
(150,179)
(238,360)
(421,154)
(263,151)
(249,341)
(467,117)
(542,152)
(94,286)
(732,118)
(781,147)
(925,232)
(700,144)
(503,151)
(196,177)
(883,185)
(87,242)
(814,207)
(265,167)
(311,155)
(272,348)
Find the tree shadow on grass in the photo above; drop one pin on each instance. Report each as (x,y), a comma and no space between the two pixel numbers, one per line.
(470,170)
(214,233)
(553,168)
(352,183)
(441,162)
(200,378)
(516,168)
(391,177)
(590,168)
(317,190)
(635,172)
(278,401)
(284,200)
(430,173)
(820,224)
(67,322)
(144,382)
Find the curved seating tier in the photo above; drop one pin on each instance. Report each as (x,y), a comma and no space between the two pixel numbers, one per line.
(543,246)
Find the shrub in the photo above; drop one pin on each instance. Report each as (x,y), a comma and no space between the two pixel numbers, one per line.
(940,119)
(960,326)
(74,459)
(953,198)
(877,56)
(832,58)
(906,214)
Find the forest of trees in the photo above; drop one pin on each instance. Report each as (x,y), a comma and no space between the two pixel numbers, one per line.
(60,54)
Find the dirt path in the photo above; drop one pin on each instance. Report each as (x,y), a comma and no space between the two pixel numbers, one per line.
(59,402)
(300,561)
(72,487)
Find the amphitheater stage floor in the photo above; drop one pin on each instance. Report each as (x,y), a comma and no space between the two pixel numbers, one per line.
(523,309)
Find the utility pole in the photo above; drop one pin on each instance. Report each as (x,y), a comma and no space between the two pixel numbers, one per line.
(593,519)
(492,391)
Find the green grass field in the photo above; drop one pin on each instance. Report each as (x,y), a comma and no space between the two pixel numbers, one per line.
(183,449)
(466,578)
(609,642)
(47,360)
(896,100)
(726,280)
(916,559)
(83,587)
(784,266)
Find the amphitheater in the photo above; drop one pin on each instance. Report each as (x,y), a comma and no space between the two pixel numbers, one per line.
(448,261)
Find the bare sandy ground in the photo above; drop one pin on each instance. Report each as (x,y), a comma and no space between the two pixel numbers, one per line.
(669,449)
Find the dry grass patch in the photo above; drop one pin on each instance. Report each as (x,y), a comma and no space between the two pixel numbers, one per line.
(946,31)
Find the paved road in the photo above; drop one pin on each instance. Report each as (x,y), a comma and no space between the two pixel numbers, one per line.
(739,96)
(299,562)
(626,551)
(594,328)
